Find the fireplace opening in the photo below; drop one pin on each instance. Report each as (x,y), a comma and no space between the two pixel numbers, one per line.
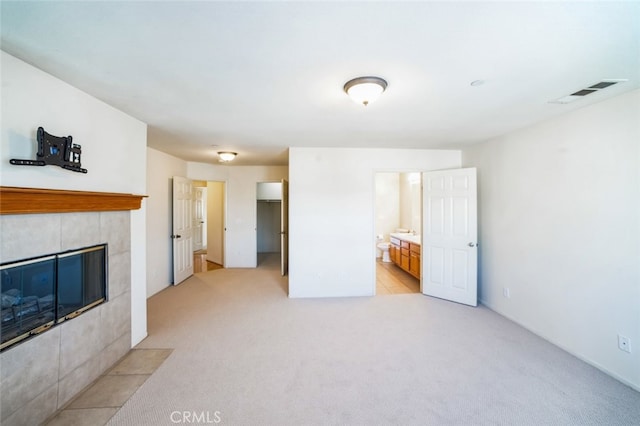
(39,293)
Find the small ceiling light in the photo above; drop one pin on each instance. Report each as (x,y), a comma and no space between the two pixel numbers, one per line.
(365,90)
(226,156)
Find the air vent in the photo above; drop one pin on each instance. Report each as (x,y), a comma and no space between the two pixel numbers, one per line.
(583,92)
(603,84)
(589,90)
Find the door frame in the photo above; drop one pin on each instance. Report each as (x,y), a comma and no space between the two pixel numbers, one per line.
(422,251)
(225,215)
(284,223)
(373,233)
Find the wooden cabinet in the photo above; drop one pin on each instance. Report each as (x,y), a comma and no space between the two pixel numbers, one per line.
(414,260)
(394,253)
(406,255)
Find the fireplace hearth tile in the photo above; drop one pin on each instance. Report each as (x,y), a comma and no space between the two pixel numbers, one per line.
(83,417)
(109,391)
(141,361)
(100,401)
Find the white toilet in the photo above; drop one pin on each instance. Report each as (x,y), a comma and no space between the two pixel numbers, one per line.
(384,249)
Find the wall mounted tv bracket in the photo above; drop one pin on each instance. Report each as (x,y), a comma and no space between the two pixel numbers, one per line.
(56,151)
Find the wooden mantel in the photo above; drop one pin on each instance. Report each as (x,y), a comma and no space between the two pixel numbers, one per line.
(15,200)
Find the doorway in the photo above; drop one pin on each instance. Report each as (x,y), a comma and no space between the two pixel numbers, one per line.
(272,223)
(268,229)
(446,261)
(398,222)
(215,222)
(208,224)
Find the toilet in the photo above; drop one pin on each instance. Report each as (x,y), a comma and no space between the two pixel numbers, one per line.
(384,248)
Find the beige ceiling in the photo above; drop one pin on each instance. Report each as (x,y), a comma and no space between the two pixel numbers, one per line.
(259,77)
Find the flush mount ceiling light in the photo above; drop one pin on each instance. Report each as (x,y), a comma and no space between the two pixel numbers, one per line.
(226,156)
(365,90)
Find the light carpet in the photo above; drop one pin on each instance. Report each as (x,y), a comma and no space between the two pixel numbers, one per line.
(245,354)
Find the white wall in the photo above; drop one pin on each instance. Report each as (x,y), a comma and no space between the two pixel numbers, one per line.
(331,214)
(269,191)
(113,151)
(387,208)
(559,221)
(113,143)
(411,202)
(161,168)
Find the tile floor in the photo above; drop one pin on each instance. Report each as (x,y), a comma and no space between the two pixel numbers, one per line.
(100,401)
(390,279)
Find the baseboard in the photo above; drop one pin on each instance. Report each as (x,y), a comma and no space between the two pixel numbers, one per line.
(632,385)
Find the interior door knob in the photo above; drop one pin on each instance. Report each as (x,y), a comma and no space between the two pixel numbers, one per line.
(471,245)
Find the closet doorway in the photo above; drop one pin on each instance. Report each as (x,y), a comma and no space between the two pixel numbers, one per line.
(272,223)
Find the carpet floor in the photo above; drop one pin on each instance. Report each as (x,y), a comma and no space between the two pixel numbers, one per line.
(245,354)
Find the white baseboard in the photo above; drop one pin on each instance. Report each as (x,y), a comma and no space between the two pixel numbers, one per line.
(634,386)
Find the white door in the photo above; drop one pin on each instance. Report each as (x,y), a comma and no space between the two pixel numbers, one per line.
(284,229)
(449,235)
(182,229)
(199,218)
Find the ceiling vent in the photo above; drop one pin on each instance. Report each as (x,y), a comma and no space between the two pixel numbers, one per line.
(587,91)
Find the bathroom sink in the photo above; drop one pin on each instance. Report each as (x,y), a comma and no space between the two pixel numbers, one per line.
(406,236)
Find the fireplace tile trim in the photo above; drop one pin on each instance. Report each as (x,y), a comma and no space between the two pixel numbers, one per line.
(20,400)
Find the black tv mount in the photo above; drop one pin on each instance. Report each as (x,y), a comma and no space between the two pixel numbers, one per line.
(55,151)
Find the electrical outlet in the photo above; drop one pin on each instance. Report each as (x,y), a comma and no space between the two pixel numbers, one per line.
(624,343)
(506,293)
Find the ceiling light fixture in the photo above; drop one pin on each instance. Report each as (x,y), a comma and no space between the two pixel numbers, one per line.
(365,90)
(226,156)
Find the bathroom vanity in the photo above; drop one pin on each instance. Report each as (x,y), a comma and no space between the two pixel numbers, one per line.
(404,251)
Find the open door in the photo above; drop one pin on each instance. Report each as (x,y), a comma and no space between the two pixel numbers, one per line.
(200,218)
(182,235)
(284,229)
(450,233)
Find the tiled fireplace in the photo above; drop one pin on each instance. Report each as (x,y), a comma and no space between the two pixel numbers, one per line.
(41,374)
